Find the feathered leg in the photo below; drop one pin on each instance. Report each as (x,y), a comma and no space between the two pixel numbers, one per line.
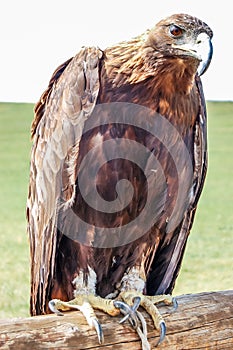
(85,300)
(129,299)
(132,287)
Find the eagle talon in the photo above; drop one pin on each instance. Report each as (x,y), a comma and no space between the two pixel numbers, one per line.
(128,311)
(99,330)
(163,329)
(136,304)
(133,309)
(175,305)
(52,307)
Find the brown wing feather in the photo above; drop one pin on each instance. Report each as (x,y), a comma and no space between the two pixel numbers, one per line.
(167,260)
(56,129)
(40,106)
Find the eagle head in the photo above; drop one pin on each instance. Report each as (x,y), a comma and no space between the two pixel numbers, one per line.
(183,36)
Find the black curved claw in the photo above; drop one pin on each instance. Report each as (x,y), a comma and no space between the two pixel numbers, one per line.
(99,330)
(52,307)
(175,304)
(136,304)
(134,307)
(129,312)
(163,329)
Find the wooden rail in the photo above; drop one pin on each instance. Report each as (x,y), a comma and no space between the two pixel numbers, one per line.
(202,321)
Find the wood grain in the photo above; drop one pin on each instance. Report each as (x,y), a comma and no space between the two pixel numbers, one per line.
(202,321)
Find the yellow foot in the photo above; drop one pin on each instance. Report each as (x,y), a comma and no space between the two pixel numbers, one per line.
(135,299)
(86,303)
(131,300)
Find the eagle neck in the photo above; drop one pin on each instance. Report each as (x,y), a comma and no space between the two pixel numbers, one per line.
(163,84)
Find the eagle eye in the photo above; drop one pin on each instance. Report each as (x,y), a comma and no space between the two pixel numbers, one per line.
(175,31)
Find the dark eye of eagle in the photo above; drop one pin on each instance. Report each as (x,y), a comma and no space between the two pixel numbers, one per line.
(175,31)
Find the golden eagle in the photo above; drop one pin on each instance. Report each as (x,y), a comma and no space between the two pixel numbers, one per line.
(118,164)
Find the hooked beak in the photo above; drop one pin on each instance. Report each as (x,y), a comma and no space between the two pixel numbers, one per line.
(202,50)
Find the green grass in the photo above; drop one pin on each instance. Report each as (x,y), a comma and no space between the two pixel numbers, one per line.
(208,261)
(15,120)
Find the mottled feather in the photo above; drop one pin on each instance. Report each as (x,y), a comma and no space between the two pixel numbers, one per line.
(58,123)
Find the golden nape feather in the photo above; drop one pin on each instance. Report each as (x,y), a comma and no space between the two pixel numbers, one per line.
(118,164)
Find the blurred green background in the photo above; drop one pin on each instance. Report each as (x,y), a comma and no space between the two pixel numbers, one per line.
(208,261)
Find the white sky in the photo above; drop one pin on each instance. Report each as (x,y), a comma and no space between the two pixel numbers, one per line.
(38,35)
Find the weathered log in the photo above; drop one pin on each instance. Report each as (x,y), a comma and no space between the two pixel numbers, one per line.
(202,321)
